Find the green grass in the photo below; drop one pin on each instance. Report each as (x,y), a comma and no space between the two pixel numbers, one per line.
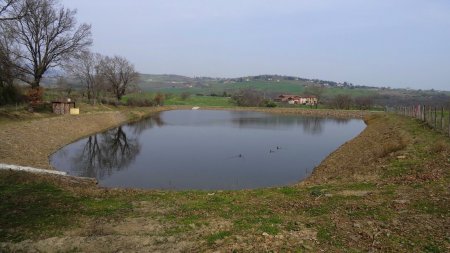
(36,209)
(289,191)
(31,209)
(193,100)
(430,207)
(201,101)
(269,87)
(217,236)
(104,207)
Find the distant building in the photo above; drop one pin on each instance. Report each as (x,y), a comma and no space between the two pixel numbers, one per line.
(296,99)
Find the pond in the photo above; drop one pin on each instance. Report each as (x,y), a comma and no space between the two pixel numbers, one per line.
(208,150)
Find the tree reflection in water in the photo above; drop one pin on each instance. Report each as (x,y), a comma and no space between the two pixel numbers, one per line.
(191,150)
(111,151)
(140,126)
(311,125)
(105,153)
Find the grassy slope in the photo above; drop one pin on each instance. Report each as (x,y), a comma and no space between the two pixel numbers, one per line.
(373,200)
(287,87)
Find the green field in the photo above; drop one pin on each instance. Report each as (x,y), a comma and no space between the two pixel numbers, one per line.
(268,87)
(174,99)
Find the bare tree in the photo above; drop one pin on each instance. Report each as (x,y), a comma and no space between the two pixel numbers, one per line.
(315,90)
(9,93)
(342,101)
(12,10)
(248,97)
(119,74)
(86,68)
(63,87)
(48,35)
(7,70)
(364,102)
(9,10)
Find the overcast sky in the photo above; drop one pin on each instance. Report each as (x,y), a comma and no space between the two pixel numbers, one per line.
(397,43)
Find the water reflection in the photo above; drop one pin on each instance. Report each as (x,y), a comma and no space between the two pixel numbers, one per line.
(103,154)
(207,150)
(140,126)
(311,125)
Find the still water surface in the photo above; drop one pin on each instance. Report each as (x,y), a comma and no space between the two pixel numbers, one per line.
(207,150)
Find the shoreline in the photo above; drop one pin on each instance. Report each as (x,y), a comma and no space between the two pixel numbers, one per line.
(365,186)
(78,128)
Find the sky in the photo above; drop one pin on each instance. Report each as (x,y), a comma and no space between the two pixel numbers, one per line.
(396,43)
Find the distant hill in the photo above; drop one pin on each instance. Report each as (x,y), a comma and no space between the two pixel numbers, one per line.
(148,81)
(273,85)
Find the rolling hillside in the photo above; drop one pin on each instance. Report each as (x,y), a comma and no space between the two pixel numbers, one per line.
(273,85)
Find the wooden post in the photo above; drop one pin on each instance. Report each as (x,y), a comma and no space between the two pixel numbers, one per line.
(423,112)
(430,116)
(442,119)
(448,126)
(435,117)
(449,121)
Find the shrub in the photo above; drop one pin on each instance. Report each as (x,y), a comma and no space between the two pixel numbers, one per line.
(248,98)
(140,102)
(110,101)
(270,103)
(185,95)
(11,95)
(159,99)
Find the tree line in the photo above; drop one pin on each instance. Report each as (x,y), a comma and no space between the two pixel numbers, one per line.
(39,35)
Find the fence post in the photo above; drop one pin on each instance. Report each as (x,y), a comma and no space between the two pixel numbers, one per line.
(423,112)
(442,118)
(449,121)
(435,118)
(430,123)
(417,111)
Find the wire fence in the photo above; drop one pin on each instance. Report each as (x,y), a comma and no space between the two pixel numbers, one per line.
(436,117)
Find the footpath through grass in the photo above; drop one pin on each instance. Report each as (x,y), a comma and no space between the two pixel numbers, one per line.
(382,197)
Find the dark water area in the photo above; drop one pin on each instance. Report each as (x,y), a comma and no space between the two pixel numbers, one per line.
(207,150)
